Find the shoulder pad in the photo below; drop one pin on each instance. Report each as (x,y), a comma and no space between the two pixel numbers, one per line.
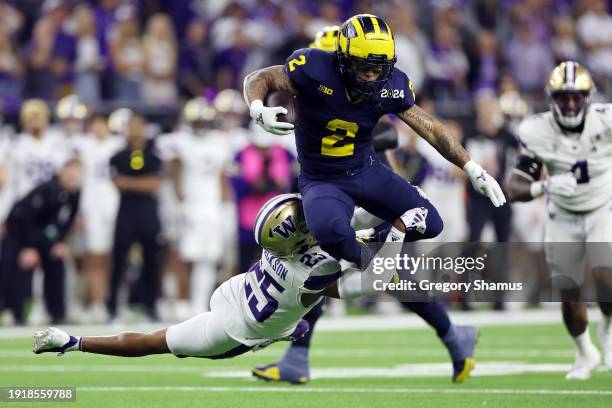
(310,64)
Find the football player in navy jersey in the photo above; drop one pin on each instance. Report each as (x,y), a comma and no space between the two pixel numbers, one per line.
(341,96)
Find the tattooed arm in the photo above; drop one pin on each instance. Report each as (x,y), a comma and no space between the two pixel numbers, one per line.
(257,85)
(439,137)
(263,81)
(432,130)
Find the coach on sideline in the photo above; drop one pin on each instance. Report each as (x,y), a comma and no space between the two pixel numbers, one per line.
(35,230)
(136,171)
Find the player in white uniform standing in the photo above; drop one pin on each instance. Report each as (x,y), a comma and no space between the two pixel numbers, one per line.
(99,205)
(35,155)
(199,156)
(573,142)
(250,310)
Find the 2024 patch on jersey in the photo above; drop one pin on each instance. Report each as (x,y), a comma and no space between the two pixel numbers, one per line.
(588,154)
(335,135)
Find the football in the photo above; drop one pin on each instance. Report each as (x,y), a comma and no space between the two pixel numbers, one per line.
(287,101)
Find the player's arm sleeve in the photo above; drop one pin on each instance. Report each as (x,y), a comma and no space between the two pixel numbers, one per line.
(529,165)
(322,276)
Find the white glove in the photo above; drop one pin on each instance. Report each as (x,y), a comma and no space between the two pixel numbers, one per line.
(562,184)
(265,117)
(484,184)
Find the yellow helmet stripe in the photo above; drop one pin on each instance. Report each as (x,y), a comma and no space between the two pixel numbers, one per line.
(375,24)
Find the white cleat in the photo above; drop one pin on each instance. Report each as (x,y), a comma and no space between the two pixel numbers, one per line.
(584,365)
(606,343)
(52,339)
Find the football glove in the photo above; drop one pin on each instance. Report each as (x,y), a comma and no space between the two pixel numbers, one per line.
(562,184)
(265,117)
(484,184)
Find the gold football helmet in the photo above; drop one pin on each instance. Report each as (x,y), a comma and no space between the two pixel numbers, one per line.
(365,44)
(569,90)
(118,120)
(198,110)
(34,112)
(71,107)
(230,101)
(326,39)
(280,226)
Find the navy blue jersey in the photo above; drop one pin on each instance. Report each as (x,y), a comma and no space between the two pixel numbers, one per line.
(335,135)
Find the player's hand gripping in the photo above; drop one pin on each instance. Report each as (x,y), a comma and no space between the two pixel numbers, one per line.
(484,183)
(562,184)
(265,117)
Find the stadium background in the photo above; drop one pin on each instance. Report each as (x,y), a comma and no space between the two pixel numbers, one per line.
(462,56)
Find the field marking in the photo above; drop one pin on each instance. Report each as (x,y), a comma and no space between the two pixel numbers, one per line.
(423,370)
(370,352)
(361,390)
(483,369)
(352,323)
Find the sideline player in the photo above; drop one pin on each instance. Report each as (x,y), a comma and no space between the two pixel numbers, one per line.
(573,143)
(250,310)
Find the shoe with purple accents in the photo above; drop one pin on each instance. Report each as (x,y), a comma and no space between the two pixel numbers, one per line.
(54,340)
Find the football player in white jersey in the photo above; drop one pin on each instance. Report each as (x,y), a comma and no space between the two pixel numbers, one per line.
(98,208)
(35,155)
(250,310)
(573,143)
(198,158)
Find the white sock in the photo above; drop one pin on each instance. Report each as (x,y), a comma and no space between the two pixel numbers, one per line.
(395,235)
(583,342)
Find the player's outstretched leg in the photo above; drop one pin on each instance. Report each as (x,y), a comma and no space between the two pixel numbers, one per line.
(54,340)
(293,367)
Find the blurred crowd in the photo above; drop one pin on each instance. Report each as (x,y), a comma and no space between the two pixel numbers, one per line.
(187,190)
(155,52)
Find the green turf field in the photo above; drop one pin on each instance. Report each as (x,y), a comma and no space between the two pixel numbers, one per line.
(517,366)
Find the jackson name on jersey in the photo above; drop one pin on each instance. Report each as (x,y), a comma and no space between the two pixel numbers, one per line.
(588,155)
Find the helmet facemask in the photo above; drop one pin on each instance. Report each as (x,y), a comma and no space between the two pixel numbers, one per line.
(355,70)
(569,108)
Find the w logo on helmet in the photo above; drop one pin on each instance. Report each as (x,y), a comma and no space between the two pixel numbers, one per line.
(286,227)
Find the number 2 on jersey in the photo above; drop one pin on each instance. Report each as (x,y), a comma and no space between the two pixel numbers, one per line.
(336,144)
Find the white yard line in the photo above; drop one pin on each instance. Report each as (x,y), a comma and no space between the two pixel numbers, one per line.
(351,323)
(371,352)
(361,390)
(483,369)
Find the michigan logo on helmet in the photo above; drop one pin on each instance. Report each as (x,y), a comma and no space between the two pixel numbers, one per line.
(569,90)
(280,226)
(326,39)
(366,53)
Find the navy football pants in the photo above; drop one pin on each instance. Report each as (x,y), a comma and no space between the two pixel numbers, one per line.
(329,205)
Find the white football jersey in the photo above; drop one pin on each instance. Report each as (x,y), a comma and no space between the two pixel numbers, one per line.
(267,299)
(588,154)
(203,159)
(95,155)
(446,190)
(33,161)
